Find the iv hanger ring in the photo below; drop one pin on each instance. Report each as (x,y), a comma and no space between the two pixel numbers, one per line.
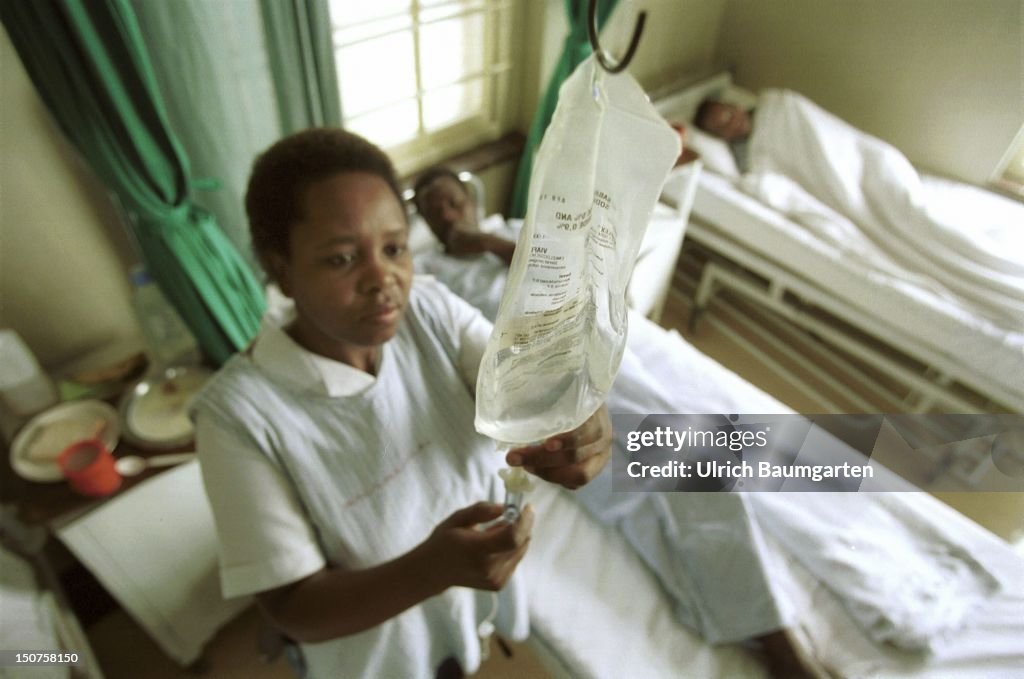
(607,62)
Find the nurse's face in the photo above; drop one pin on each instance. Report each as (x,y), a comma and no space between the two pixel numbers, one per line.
(348,268)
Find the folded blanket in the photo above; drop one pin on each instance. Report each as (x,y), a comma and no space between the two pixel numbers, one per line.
(905,582)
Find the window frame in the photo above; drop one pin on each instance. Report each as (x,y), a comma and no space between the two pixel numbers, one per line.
(498,79)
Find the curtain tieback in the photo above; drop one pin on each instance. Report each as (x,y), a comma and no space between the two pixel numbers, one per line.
(207,184)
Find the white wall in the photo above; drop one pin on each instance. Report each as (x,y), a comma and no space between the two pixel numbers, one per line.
(943,80)
(63,255)
(678,40)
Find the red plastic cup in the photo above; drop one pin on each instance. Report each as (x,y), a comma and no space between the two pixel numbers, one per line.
(89,468)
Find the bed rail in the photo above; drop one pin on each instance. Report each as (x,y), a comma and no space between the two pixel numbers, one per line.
(929,381)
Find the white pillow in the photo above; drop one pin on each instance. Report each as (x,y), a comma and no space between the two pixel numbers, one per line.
(421,238)
(714,152)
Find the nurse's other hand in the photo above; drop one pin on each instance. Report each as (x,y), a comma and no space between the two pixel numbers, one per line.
(460,553)
(571,459)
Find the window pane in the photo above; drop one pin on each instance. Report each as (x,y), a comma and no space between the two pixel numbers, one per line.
(348,12)
(431,10)
(388,126)
(502,38)
(415,76)
(375,73)
(451,49)
(451,104)
(346,35)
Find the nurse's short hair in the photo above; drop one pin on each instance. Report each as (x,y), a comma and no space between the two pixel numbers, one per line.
(282,173)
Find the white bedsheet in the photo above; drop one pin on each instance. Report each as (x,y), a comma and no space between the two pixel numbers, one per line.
(872,184)
(888,300)
(907,579)
(902,581)
(625,623)
(598,612)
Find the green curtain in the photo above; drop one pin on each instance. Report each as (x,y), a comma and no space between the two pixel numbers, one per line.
(89,64)
(575,49)
(299,46)
(212,73)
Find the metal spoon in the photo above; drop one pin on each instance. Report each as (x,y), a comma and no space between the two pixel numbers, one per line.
(132,465)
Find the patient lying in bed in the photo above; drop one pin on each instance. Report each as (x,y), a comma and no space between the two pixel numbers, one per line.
(707,549)
(863,196)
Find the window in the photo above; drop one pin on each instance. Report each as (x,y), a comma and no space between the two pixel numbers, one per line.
(424,79)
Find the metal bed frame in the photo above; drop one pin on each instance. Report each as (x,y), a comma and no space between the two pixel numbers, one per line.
(929,380)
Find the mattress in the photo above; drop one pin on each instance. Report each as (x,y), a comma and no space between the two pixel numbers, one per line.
(938,328)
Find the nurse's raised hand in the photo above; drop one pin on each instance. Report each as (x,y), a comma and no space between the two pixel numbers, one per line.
(571,459)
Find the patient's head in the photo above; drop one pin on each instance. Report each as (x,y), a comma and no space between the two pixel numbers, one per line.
(445,202)
(722,119)
(283,173)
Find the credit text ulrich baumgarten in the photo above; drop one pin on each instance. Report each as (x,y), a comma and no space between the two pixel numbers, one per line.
(690,440)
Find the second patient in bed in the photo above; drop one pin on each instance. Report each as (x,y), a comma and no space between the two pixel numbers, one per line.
(717,576)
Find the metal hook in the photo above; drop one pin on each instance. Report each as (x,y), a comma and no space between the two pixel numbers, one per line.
(607,62)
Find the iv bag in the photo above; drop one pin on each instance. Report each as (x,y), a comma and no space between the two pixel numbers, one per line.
(561,327)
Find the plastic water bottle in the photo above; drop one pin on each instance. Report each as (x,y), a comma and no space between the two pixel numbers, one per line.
(168,340)
(24,387)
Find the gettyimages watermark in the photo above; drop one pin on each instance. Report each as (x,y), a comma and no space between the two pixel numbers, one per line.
(818,453)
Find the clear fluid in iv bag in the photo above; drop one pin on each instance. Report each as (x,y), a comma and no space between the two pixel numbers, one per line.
(547,387)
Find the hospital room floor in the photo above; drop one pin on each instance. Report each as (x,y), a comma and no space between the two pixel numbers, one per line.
(125,652)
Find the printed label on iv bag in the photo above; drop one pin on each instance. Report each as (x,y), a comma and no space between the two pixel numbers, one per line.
(552,280)
(563,271)
(572,257)
(549,338)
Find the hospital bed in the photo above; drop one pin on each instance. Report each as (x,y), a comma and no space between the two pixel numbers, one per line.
(598,610)
(656,259)
(944,351)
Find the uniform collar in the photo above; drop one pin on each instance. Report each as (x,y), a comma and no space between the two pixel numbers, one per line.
(288,362)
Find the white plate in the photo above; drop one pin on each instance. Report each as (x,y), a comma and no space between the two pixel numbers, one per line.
(35,449)
(155,411)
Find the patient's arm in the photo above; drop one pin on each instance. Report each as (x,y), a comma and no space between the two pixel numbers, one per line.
(335,603)
(478,242)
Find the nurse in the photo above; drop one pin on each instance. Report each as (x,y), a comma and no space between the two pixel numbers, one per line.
(347,482)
